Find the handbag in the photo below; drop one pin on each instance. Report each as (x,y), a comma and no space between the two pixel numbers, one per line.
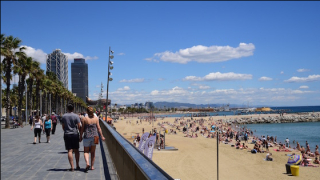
(96,139)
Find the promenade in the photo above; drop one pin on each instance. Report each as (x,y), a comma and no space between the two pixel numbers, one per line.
(20,159)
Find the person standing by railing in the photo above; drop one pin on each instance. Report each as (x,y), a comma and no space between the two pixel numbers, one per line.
(90,128)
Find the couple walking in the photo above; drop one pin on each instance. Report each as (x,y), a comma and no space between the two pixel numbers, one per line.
(89,127)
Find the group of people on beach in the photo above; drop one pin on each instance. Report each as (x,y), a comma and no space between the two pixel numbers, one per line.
(76,127)
(231,132)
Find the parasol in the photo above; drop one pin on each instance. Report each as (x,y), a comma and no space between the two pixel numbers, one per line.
(295,159)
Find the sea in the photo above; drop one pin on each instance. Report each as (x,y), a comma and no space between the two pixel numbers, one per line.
(288,110)
(298,132)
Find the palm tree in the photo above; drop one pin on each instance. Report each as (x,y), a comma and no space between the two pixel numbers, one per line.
(22,68)
(1,72)
(35,67)
(39,79)
(9,45)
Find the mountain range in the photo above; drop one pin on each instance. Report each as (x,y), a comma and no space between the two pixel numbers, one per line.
(189,105)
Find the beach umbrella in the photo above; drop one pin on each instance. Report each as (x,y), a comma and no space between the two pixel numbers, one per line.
(295,159)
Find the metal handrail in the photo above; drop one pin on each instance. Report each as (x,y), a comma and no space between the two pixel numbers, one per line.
(146,166)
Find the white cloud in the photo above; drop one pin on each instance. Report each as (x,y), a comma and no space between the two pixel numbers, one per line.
(303,70)
(155,92)
(281,72)
(264,78)
(204,54)
(304,79)
(125,88)
(219,77)
(161,79)
(36,54)
(79,55)
(121,54)
(40,56)
(204,87)
(137,80)
(304,87)
(267,96)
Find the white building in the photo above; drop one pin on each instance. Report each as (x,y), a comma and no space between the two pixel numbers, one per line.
(57,62)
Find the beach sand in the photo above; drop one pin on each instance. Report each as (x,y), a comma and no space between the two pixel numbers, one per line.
(196,158)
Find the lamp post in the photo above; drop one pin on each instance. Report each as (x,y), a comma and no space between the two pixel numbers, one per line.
(109,79)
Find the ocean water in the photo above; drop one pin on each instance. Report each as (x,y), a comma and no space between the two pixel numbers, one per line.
(292,109)
(301,132)
(295,109)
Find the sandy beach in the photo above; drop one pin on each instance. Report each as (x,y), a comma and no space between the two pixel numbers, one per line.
(196,158)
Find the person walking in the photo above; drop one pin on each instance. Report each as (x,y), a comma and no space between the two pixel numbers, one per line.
(70,125)
(36,124)
(54,122)
(30,120)
(44,117)
(47,127)
(90,128)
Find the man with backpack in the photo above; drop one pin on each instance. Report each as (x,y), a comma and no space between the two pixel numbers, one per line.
(54,123)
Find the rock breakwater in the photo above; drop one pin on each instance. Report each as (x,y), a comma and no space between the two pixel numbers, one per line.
(306,117)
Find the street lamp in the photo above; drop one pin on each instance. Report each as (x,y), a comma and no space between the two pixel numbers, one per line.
(109,79)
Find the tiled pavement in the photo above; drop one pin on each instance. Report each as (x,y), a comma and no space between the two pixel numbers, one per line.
(20,159)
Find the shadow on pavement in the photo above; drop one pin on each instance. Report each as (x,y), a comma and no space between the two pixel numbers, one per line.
(66,152)
(55,169)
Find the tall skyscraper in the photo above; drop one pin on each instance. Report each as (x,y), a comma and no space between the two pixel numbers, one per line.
(57,62)
(79,78)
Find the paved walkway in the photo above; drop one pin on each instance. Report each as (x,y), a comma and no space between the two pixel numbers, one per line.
(20,159)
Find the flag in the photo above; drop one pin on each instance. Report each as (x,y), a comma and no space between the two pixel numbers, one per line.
(149,146)
(143,140)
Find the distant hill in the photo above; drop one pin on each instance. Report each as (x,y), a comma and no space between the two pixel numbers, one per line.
(189,105)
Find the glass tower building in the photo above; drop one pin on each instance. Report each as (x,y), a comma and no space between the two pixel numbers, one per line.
(57,62)
(79,78)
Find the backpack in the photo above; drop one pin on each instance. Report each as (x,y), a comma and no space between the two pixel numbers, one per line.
(54,119)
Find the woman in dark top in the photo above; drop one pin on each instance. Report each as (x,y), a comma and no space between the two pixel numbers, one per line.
(90,128)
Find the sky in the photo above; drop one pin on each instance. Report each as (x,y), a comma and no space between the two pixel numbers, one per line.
(256,53)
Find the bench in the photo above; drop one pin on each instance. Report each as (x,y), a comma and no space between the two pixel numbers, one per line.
(11,123)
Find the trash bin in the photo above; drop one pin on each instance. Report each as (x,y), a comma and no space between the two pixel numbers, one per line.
(288,168)
(294,170)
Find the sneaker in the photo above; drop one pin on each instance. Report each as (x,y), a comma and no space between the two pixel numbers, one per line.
(48,141)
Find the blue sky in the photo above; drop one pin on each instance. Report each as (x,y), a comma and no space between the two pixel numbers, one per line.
(194,52)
